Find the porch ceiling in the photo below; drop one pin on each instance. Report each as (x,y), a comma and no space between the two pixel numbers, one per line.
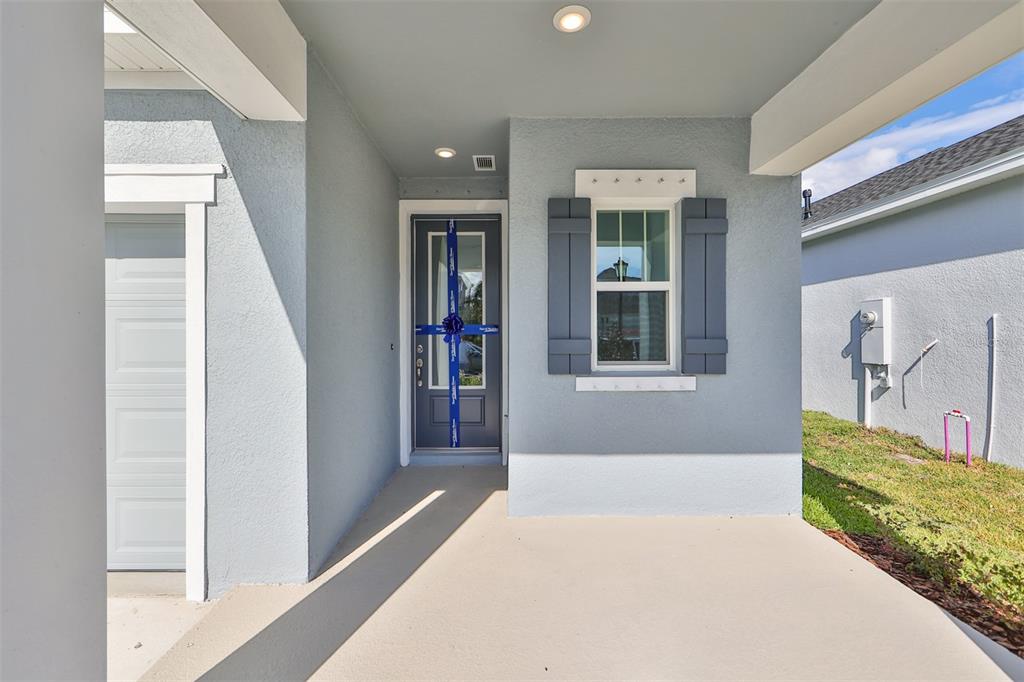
(449,73)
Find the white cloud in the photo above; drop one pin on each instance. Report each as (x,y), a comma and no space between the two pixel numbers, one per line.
(991,101)
(879,153)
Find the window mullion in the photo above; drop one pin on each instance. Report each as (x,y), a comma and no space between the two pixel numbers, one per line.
(644,275)
(618,267)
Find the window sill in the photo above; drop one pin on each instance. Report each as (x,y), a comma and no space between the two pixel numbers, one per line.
(636,382)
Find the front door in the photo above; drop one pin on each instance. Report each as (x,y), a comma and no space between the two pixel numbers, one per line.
(479,302)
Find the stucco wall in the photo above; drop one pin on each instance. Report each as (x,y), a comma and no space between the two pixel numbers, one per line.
(753,409)
(483,186)
(52,478)
(948,266)
(255,322)
(352,321)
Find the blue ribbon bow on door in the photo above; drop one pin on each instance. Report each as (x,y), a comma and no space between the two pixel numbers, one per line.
(452,327)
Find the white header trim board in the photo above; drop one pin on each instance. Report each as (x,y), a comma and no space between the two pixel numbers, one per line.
(636,184)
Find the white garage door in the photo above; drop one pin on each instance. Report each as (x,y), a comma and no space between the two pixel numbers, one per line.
(145,282)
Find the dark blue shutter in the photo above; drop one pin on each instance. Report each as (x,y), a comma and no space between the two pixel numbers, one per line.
(704,230)
(569,286)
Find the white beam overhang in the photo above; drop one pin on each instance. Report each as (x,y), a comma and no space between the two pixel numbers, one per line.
(900,55)
(247,54)
(980,174)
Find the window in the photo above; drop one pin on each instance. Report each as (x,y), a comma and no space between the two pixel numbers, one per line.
(633,288)
(471,308)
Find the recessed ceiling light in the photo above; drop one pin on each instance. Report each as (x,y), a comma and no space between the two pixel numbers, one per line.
(572,18)
(445,152)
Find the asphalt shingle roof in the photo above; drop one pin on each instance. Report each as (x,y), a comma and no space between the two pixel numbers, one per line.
(985,145)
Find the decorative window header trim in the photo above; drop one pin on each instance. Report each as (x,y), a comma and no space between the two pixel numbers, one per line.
(637,184)
(642,384)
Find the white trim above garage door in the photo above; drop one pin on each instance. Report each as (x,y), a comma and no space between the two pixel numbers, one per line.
(183,189)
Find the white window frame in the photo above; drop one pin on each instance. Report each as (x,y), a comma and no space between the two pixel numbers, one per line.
(637,204)
(434,339)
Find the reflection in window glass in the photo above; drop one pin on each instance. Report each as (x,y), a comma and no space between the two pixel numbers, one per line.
(631,327)
(607,245)
(632,246)
(471,309)
(656,252)
(632,265)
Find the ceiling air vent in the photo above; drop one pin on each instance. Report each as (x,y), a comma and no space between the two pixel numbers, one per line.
(483,162)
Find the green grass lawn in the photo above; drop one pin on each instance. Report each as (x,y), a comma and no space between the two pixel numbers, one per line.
(960,525)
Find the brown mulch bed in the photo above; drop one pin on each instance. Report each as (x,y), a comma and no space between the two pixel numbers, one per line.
(963,601)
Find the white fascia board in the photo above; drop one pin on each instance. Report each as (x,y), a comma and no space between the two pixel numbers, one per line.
(247,54)
(899,56)
(972,177)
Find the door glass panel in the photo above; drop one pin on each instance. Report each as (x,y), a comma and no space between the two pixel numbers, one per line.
(471,309)
(631,327)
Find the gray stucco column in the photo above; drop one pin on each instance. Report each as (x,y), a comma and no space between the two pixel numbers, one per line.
(52,515)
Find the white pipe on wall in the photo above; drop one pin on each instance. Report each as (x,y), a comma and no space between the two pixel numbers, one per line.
(867,396)
(991,390)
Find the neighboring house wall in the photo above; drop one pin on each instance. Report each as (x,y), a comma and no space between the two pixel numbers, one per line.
(481,187)
(733,445)
(948,266)
(256,464)
(52,478)
(353,319)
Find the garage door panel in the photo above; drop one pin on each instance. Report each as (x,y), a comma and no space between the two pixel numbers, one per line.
(145,393)
(145,527)
(145,258)
(145,436)
(145,344)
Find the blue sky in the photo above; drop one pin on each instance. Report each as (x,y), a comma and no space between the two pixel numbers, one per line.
(988,99)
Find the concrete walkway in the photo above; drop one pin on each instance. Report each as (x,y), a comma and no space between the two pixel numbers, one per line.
(437,582)
(146,614)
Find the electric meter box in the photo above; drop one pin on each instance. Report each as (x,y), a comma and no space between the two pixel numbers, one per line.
(876,331)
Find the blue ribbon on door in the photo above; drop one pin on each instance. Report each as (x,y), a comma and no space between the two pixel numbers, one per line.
(452,328)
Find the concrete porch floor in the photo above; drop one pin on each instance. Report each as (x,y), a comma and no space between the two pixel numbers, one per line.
(146,614)
(437,582)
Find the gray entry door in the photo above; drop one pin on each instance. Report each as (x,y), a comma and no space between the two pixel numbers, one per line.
(479,356)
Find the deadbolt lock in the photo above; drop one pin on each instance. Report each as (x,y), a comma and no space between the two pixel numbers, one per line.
(419,348)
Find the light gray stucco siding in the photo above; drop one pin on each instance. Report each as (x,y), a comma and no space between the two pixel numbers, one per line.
(483,186)
(753,409)
(353,317)
(255,322)
(52,469)
(948,266)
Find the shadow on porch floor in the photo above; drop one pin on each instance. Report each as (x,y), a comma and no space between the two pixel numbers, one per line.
(437,582)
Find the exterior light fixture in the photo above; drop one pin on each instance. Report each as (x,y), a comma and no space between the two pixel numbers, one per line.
(444,152)
(572,18)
